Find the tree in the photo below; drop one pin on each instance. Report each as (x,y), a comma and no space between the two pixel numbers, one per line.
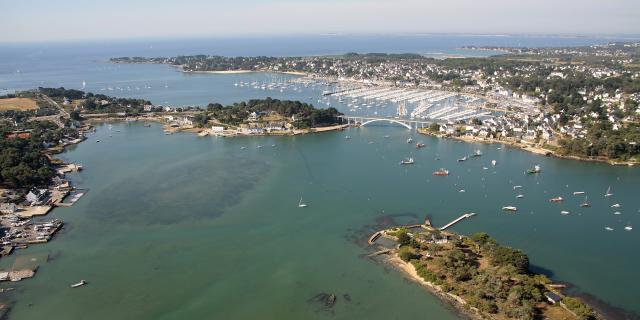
(404,239)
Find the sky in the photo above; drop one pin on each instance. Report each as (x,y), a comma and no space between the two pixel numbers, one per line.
(64,20)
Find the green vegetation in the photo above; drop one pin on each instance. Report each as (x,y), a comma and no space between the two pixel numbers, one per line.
(23,162)
(492,278)
(302,115)
(583,311)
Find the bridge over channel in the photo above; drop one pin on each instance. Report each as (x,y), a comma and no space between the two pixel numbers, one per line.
(363,121)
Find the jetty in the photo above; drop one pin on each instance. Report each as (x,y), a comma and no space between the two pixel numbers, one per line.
(460,218)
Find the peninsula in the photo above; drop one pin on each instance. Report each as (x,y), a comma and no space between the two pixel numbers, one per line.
(480,277)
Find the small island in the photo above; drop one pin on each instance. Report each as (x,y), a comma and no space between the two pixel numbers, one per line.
(480,277)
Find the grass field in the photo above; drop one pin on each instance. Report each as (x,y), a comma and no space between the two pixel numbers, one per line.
(20,104)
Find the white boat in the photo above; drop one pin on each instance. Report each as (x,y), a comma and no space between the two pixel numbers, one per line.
(409,140)
(301,204)
(575,193)
(462,159)
(493,163)
(608,228)
(628,228)
(478,153)
(519,196)
(347,137)
(516,187)
(564,213)
(407,161)
(608,193)
(462,191)
(617,205)
(510,208)
(617,213)
(79,284)
(585,203)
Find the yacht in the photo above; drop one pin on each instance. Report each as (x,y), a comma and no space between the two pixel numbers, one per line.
(617,205)
(493,163)
(79,284)
(608,193)
(407,161)
(617,213)
(510,208)
(557,199)
(301,204)
(585,203)
(608,228)
(575,193)
(564,213)
(628,228)
(535,169)
(441,172)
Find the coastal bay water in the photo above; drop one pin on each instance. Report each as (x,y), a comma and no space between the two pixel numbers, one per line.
(183,226)
(186,227)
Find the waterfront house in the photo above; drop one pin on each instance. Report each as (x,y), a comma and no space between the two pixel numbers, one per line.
(36,196)
(552,297)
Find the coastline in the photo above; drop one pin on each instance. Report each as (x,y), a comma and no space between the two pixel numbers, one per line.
(411,251)
(532,149)
(456,302)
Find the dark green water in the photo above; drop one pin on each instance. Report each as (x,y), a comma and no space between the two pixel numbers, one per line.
(184,227)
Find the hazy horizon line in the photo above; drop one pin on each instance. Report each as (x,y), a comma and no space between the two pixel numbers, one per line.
(604,36)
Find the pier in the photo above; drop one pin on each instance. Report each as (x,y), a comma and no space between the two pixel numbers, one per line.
(462,217)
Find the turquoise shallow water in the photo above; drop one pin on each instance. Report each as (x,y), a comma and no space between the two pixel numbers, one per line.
(180,226)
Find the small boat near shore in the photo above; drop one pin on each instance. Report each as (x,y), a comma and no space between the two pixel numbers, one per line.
(409,140)
(441,172)
(420,145)
(476,154)
(79,284)
(534,170)
(462,159)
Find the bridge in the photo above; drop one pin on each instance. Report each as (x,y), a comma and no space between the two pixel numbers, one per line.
(363,121)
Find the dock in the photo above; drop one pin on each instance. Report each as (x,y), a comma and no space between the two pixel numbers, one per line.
(462,217)
(374,237)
